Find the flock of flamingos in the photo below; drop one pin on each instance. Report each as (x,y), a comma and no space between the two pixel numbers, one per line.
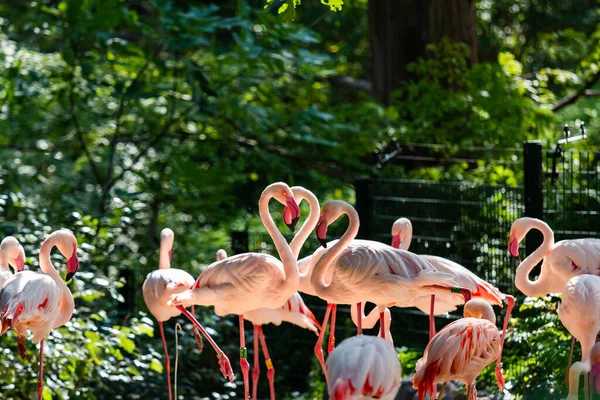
(264,289)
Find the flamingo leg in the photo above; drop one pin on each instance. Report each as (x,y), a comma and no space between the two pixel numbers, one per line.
(167,361)
(223,360)
(510,301)
(359,312)
(40,385)
(331,344)
(243,358)
(319,345)
(268,363)
(442,391)
(432,317)
(586,385)
(382,324)
(21,346)
(256,369)
(468,391)
(570,359)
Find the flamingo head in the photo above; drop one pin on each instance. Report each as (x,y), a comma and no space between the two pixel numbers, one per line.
(67,245)
(401,233)
(291,211)
(518,230)
(14,253)
(330,212)
(321,229)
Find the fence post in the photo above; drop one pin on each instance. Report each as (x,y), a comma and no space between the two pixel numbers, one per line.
(533,185)
(239,242)
(364,206)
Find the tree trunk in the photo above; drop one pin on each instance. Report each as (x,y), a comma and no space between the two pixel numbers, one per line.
(400,30)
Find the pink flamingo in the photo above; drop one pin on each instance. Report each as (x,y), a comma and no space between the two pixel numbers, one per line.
(561,260)
(364,367)
(11,253)
(579,312)
(401,238)
(460,351)
(158,288)
(40,301)
(249,281)
(293,311)
(370,271)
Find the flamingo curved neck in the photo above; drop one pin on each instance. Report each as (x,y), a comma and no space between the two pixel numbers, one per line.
(368,321)
(405,244)
(164,259)
(522,281)
(308,226)
(292,278)
(322,266)
(45,262)
(3,261)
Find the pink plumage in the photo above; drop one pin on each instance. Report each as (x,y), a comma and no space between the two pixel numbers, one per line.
(363,367)
(40,301)
(11,254)
(561,260)
(461,350)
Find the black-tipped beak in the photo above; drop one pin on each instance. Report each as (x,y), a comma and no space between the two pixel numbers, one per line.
(323,242)
(70,276)
(292,225)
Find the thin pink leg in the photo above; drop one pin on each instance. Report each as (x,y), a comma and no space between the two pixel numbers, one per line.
(40,385)
(319,345)
(359,311)
(256,369)
(268,363)
(570,359)
(167,361)
(510,301)
(432,317)
(243,359)
(331,344)
(21,346)
(382,324)
(223,360)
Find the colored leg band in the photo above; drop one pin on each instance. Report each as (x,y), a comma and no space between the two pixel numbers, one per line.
(243,352)
(269,363)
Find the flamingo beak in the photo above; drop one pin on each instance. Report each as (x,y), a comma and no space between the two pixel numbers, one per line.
(513,247)
(466,294)
(20,262)
(291,213)
(396,241)
(321,230)
(72,265)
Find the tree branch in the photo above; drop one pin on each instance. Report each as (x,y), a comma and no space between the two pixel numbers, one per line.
(352,83)
(573,97)
(79,131)
(122,103)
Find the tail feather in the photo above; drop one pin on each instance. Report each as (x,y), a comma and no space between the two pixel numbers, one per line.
(342,389)
(424,382)
(489,293)
(306,311)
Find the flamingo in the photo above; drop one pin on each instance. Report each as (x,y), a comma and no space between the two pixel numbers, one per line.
(370,271)
(40,301)
(11,253)
(561,261)
(293,311)
(364,367)
(460,351)
(249,281)
(579,312)
(157,290)
(401,238)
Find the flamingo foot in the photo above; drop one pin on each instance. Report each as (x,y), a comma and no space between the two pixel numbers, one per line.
(21,346)
(225,365)
(499,376)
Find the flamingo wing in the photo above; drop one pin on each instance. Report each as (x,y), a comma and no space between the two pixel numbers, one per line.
(467,279)
(363,366)
(574,257)
(459,351)
(29,300)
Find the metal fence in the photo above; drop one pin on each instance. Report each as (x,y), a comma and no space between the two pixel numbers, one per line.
(465,221)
